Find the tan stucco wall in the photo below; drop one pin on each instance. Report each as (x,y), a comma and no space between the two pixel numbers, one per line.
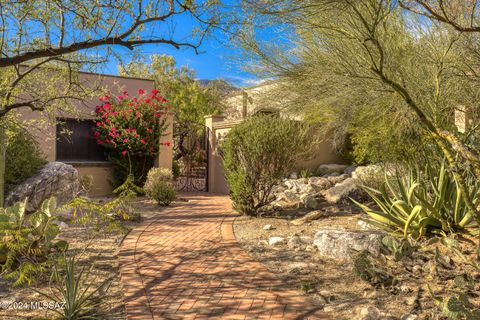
(43,128)
(218,128)
(100,175)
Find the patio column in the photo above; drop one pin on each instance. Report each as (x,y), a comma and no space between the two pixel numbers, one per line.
(214,159)
(165,156)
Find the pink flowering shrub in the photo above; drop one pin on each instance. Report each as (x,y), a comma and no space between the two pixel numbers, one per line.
(130,129)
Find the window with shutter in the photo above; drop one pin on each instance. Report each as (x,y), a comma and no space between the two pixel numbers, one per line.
(76,143)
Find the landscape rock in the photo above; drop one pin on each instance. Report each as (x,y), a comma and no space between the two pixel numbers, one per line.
(320,183)
(295,242)
(409,317)
(349,170)
(328,169)
(289,197)
(369,313)
(273,241)
(337,244)
(267,227)
(342,191)
(337,179)
(54,179)
(311,202)
(365,172)
(314,215)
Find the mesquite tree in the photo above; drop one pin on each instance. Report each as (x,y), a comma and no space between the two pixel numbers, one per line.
(50,40)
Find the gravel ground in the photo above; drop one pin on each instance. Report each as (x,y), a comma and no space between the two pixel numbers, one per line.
(332,284)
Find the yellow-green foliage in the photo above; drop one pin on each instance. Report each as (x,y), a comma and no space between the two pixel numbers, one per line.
(257,154)
(26,241)
(23,158)
(159,186)
(422,202)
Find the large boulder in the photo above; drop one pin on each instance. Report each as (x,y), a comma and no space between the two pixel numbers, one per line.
(342,191)
(337,244)
(337,179)
(329,169)
(366,172)
(320,183)
(54,179)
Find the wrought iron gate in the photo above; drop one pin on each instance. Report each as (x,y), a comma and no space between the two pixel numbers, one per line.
(194,166)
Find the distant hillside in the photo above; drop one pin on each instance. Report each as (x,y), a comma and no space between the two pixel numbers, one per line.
(222,85)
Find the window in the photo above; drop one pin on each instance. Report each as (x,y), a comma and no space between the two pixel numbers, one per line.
(75,141)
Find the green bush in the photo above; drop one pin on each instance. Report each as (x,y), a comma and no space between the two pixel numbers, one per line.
(257,154)
(422,202)
(23,157)
(27,241)
(159,186)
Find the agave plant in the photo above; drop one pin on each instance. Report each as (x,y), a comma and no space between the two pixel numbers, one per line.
(421,202)
(76,291)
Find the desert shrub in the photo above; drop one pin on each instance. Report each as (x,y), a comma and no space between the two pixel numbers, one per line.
(422,202)
(26,242)
(23,157)
(257,154)
(159,186)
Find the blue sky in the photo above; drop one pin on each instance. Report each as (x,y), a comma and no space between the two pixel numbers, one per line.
(213,62)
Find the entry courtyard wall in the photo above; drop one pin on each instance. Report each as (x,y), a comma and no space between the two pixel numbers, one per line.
(218,128)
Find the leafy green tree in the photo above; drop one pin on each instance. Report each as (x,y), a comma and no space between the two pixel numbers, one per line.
(52,40)
(351,56)
(190,101)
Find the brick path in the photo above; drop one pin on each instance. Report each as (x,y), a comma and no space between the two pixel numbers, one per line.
(186,264)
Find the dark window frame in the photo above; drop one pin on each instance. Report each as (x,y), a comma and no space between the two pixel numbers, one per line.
(80,146)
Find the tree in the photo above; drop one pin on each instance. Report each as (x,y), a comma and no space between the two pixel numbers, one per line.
(53,39)
(190,101)
(353,55)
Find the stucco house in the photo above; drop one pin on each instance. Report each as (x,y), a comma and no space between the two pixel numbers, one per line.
(68,138)
(241,104)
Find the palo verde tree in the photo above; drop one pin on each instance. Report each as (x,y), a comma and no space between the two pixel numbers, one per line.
(351,56)
(44,43)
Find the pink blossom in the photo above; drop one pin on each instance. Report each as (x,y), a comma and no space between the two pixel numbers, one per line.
(103,98)
(141,91)
(124,152)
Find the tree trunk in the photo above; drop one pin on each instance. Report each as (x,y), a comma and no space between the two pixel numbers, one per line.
(3,150)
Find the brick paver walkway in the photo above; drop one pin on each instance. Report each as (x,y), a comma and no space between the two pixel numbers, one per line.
(186,264)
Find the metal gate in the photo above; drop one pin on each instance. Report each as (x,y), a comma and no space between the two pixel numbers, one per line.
(194,164)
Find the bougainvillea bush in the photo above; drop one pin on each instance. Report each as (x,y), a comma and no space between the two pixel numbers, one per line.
(130,129)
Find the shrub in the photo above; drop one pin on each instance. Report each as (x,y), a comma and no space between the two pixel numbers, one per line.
(26,241)
(159,186)
(257,154)
(421,202)
(23,157)
(130,129)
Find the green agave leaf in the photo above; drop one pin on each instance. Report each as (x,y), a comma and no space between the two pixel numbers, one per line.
(415,212)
